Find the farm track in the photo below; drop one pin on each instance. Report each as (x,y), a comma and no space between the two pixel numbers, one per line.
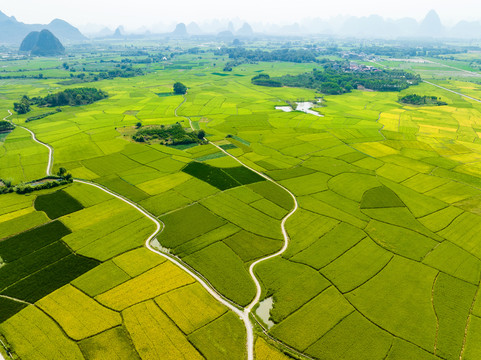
(243,315)
(255,301)
(452,91)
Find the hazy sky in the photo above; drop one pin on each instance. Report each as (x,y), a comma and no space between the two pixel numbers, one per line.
(137,13)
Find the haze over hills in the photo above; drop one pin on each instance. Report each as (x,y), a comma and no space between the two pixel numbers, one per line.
(373,26)
(13,31)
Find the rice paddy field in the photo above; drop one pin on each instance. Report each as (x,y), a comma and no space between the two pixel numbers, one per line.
(384,253)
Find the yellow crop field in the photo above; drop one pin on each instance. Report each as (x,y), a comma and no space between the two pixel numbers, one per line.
(164,183)
(155,336)
(264,351)
(34,336)
(13,202)
(79,315)
(16,214)
(157,281)
(138,261)
(375,149)
(190,307)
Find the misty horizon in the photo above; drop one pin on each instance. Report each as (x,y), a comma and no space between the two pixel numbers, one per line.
(152,16)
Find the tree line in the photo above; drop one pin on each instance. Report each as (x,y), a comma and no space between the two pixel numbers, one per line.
(338,78)
(72,97)
(415,99)
(6,126)
(168,135)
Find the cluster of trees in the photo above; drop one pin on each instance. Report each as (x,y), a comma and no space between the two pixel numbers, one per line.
(265,80)
(168,135)
(179,88)
(289,55)
(239,55)
(125,72)
(415,99)
(23,106)
(63,178)
(6,126)
(338,78)
(72,97)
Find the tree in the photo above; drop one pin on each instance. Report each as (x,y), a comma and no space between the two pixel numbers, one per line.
(201,134)
(23,106)
(138,125)
(61,172)
(179,88)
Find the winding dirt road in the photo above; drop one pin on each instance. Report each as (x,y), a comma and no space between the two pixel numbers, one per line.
(255,301)
(243,315)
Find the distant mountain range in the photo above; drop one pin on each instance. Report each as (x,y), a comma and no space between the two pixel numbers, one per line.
(13,31)
(374,26)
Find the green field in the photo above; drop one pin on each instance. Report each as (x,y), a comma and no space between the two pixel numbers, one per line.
(383,259)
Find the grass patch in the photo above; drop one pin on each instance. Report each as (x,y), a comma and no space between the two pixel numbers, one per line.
(455,261)
(318,315)
(225,270)
(100,279)
(380,197)
(354,338)
(9,308)
(212,175)
(452,302)
(249,246)
(330,246)
(280,276)
(14,271)
(57,204)
(357,265)
(159,280)
(186,224)
(400,240)
(222,178)
(222,339)
(402,290)
(23,244)
(112,344)
(50,278)
(137,261)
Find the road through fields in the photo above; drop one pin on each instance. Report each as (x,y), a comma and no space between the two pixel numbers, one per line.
(452,91)
(244,316)
(255,301)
